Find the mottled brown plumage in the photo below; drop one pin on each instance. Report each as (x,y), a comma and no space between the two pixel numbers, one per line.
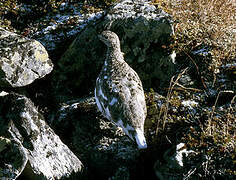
(119,93)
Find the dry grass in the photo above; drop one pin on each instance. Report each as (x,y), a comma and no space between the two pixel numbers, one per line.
(209,130)
(211,133)
(208,23)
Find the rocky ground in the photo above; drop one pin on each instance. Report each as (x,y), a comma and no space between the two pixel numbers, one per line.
(50,127)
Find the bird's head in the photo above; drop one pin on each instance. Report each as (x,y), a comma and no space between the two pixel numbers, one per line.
(110,39)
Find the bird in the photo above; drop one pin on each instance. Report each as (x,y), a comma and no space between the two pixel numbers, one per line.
(119,92)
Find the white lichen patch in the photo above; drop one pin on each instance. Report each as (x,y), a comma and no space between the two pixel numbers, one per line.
(29,118)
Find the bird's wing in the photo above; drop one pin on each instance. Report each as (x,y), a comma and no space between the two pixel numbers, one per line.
(127,102)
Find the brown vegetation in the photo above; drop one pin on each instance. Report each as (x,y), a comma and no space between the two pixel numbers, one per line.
(209,23)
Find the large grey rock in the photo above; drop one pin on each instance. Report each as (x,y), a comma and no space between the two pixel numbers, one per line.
(22,60)
(25,136)
(143,30)
(13,158)
(105,149)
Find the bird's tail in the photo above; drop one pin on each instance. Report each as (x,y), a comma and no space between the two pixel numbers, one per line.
(140,139)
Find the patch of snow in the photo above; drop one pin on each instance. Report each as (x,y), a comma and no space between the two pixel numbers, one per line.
(49,28)
(62,6)
(173,56)
(203,51)
(74,105)
(189,103)
(105,63)
(180,151)
(3,93)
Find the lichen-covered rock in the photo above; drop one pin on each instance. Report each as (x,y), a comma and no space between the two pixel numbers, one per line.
(21,60)
(29,139)
(103,147)
(55,35)
(143,30)
(13,158)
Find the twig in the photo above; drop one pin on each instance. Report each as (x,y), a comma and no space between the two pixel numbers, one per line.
(190,173)
(172,84)
(202,80)
(182,88)
(232,101)
(214,106)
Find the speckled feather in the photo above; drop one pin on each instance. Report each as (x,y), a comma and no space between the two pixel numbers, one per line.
(119,93)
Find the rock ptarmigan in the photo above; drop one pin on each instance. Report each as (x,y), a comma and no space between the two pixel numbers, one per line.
(119,93)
